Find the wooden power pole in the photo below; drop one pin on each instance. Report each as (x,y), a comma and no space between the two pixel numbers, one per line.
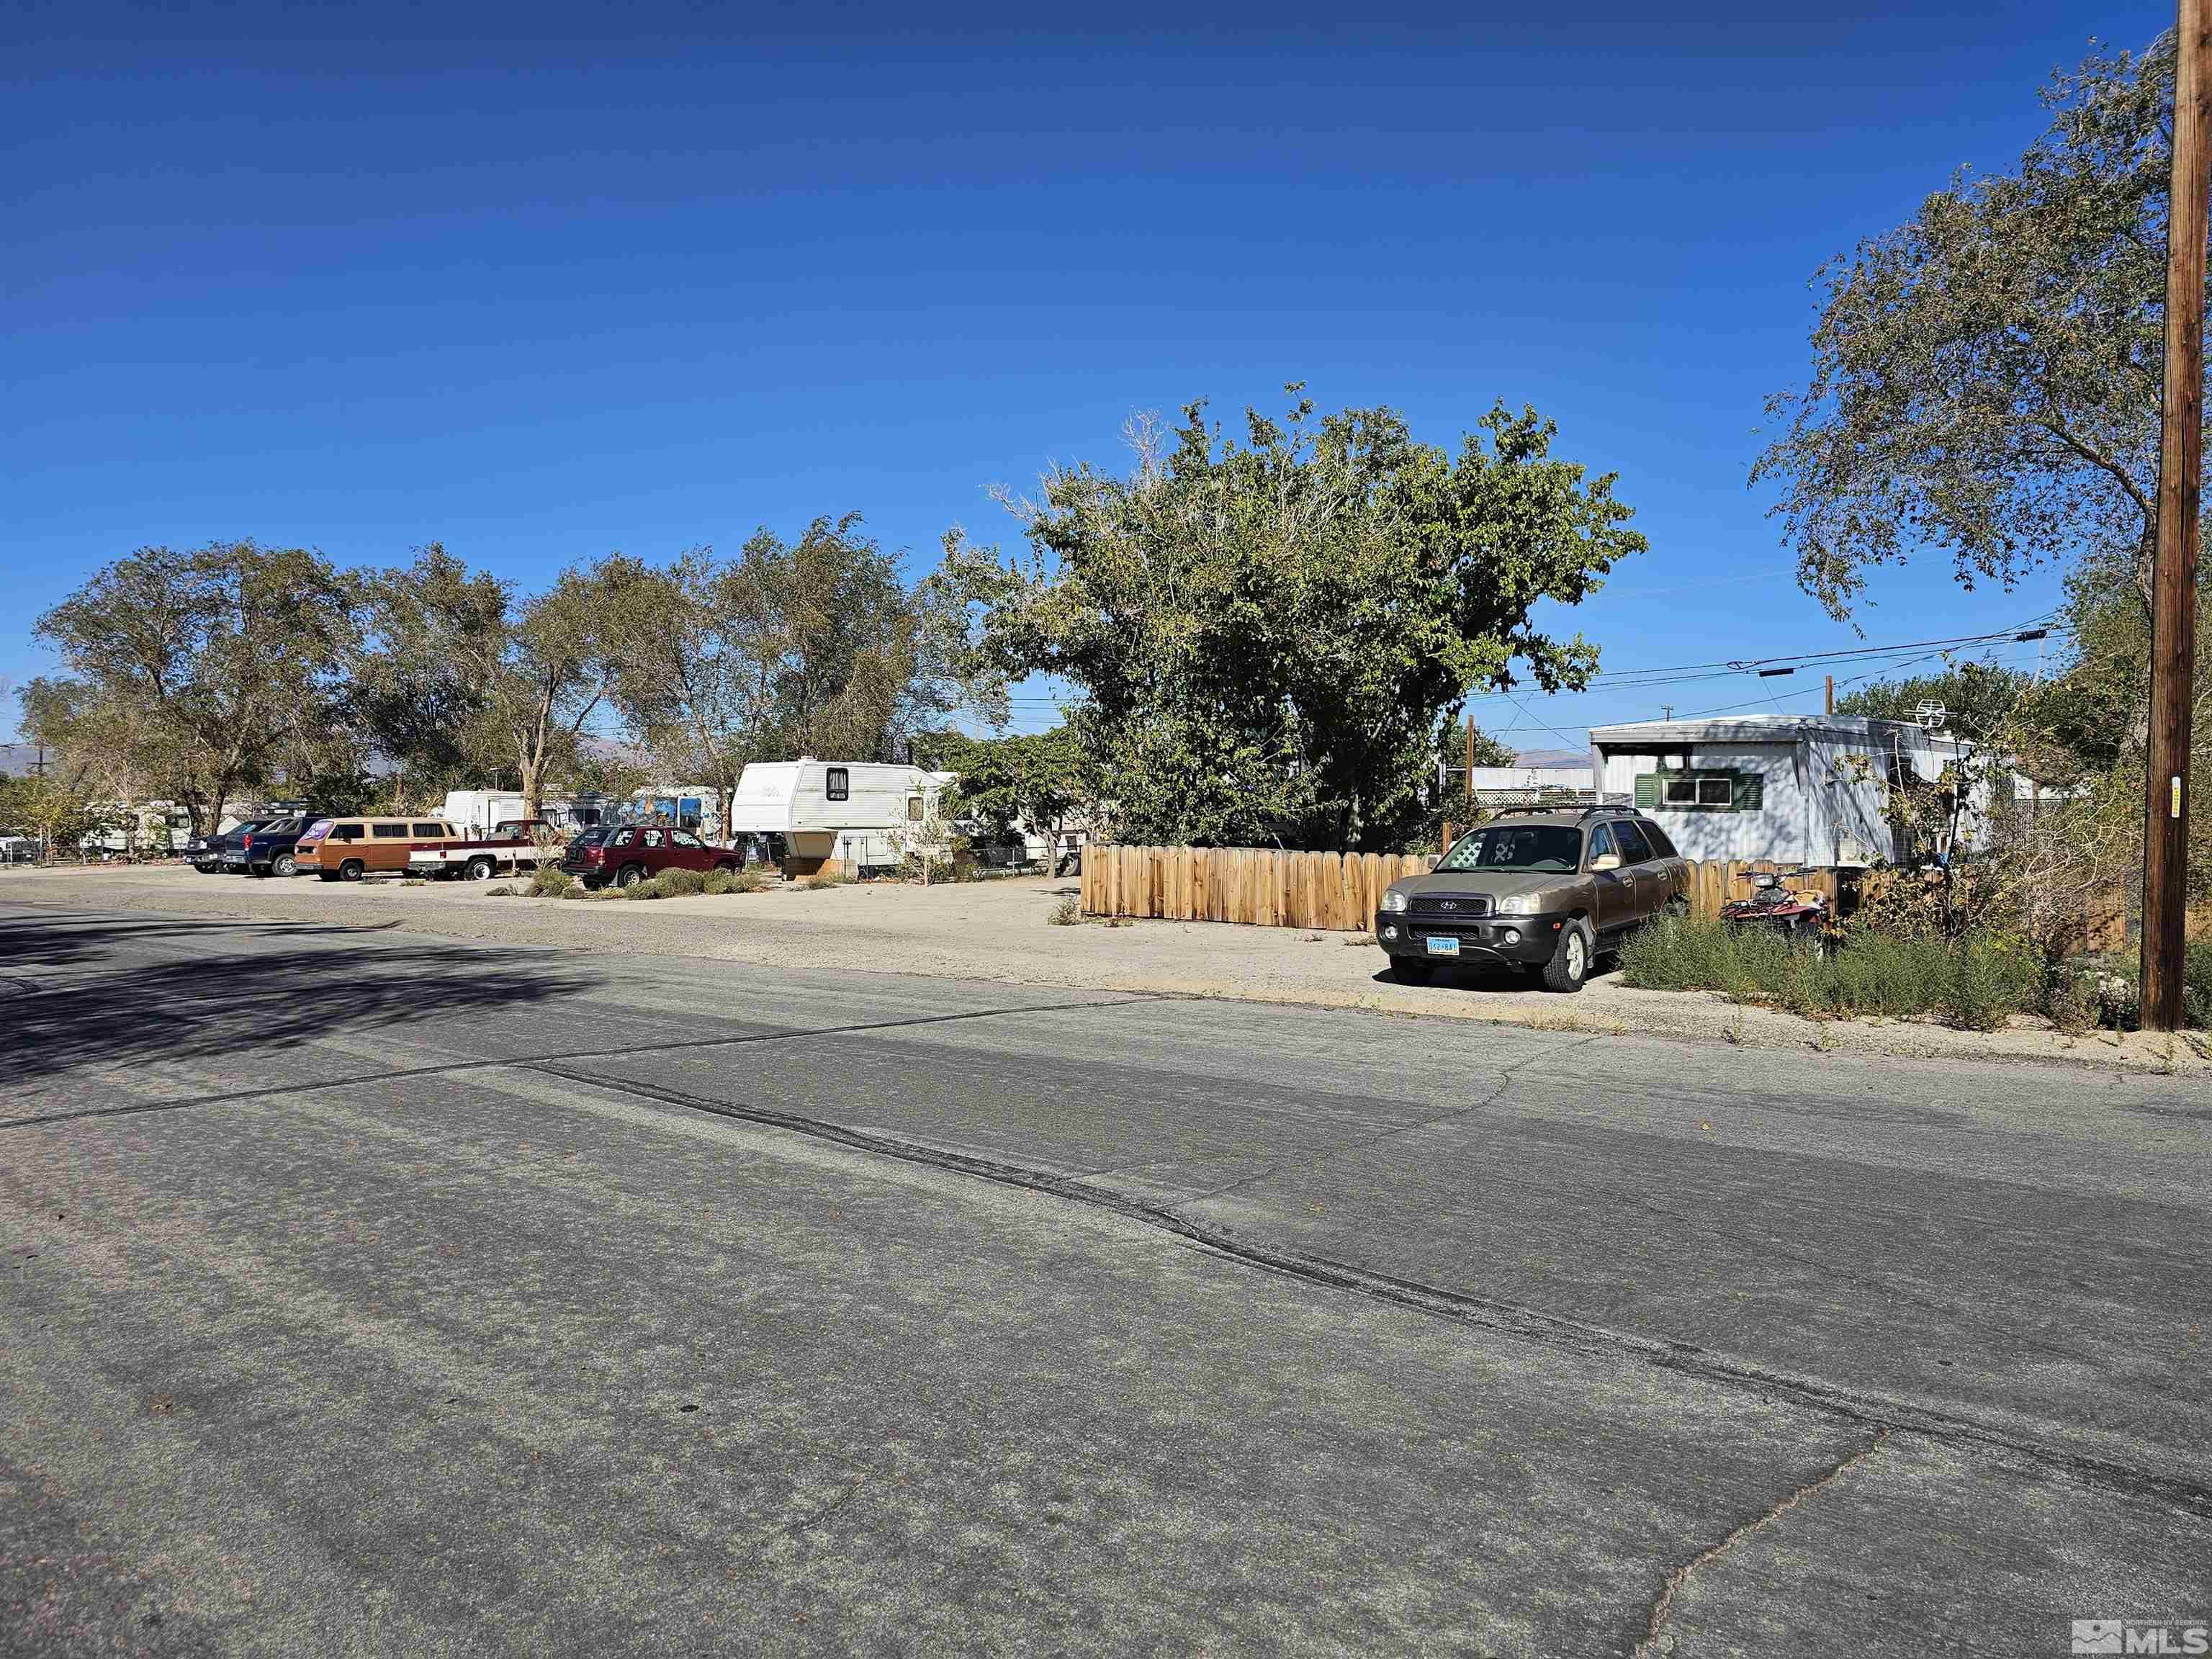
(2173,578)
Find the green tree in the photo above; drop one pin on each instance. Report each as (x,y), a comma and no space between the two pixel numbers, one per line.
(855,664)
(1979,699)
(419,687)
(695,648)
(1986,378)
(1488,751)
(814,647)
(224,652)
(548,672)
(1009,787)
(1269,634)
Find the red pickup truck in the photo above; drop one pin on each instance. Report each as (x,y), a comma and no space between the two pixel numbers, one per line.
(628,853)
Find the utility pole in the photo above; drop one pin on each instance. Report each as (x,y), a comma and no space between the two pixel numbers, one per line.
(2173,577)
(1470,766)
(1831,693)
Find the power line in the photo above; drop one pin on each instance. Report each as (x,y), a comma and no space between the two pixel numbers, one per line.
(1629,679)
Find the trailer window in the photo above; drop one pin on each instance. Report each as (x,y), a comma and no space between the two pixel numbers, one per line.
(838,783)
(1701,791)
(913,808)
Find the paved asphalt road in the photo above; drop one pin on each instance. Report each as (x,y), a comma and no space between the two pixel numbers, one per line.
(371,1294)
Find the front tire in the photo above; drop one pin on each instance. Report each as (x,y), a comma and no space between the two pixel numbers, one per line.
(725,867)
(1570,965)
(352,870)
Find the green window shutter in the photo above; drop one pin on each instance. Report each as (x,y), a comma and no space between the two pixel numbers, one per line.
(1749,792)
(1648,786)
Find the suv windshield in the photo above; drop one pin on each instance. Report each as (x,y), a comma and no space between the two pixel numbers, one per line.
(1553,848)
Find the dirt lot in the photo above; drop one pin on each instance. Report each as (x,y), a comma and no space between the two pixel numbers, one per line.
(1000,930)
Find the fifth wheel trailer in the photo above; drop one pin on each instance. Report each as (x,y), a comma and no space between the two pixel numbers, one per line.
(840,812)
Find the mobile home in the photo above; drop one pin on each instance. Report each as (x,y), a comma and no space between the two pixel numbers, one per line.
(1798,789)
(833,814)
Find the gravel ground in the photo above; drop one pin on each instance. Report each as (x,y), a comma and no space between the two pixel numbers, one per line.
(1000,930)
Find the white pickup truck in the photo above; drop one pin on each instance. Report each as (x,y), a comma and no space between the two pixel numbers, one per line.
(515,844)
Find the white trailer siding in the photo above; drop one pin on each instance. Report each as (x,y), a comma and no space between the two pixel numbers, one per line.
(845,811)
(1815,791)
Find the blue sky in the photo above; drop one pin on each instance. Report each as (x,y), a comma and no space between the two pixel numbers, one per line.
(545,282)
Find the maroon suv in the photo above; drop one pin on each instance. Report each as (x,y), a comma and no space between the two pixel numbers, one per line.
(628,853)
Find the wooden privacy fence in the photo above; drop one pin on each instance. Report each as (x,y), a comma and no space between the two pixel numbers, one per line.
(1258,886)
(1261,887)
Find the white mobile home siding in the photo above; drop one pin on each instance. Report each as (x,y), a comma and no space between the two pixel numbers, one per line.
(1823,786)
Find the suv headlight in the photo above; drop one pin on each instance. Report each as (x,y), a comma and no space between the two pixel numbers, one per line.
(1517,904)
(1393,900)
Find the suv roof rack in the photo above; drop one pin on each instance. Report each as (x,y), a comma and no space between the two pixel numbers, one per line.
(1593,812)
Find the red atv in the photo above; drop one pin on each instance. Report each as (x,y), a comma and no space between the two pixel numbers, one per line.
(1775,906)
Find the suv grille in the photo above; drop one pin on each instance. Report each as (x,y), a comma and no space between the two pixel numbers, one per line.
(1451,906)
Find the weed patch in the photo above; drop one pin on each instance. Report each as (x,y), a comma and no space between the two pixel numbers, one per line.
(1977,982)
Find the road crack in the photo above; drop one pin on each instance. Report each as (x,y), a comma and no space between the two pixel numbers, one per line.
(1394,1132)
(1658,1641)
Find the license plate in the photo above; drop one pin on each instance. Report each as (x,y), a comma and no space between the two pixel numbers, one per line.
(1442,947)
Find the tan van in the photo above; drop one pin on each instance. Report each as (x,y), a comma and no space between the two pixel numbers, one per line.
(346,849)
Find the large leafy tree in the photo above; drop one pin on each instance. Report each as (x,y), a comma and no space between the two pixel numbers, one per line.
(1027,783)
(856,664)
(1979,700)
(1986,378)
(812,646)
(1269,634)
(549,671)
(225,653)
(419,690)
(694,647)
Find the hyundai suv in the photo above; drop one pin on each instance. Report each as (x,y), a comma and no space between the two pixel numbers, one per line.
(1546,892)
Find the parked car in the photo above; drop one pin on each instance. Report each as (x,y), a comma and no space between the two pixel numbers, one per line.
(346,849)
(266,849)
(204,853)
(1544,891)
(513,846)
(628,853)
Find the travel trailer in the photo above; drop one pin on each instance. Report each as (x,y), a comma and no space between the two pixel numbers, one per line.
(478,812)
(833,814)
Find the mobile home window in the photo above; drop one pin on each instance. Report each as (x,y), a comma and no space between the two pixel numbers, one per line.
(838,784)
(913,808)
(1701,791)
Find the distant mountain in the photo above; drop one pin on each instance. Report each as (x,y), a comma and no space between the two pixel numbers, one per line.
(19,760)
(1552,756)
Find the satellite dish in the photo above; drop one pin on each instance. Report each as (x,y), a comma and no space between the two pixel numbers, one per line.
(1930,716)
